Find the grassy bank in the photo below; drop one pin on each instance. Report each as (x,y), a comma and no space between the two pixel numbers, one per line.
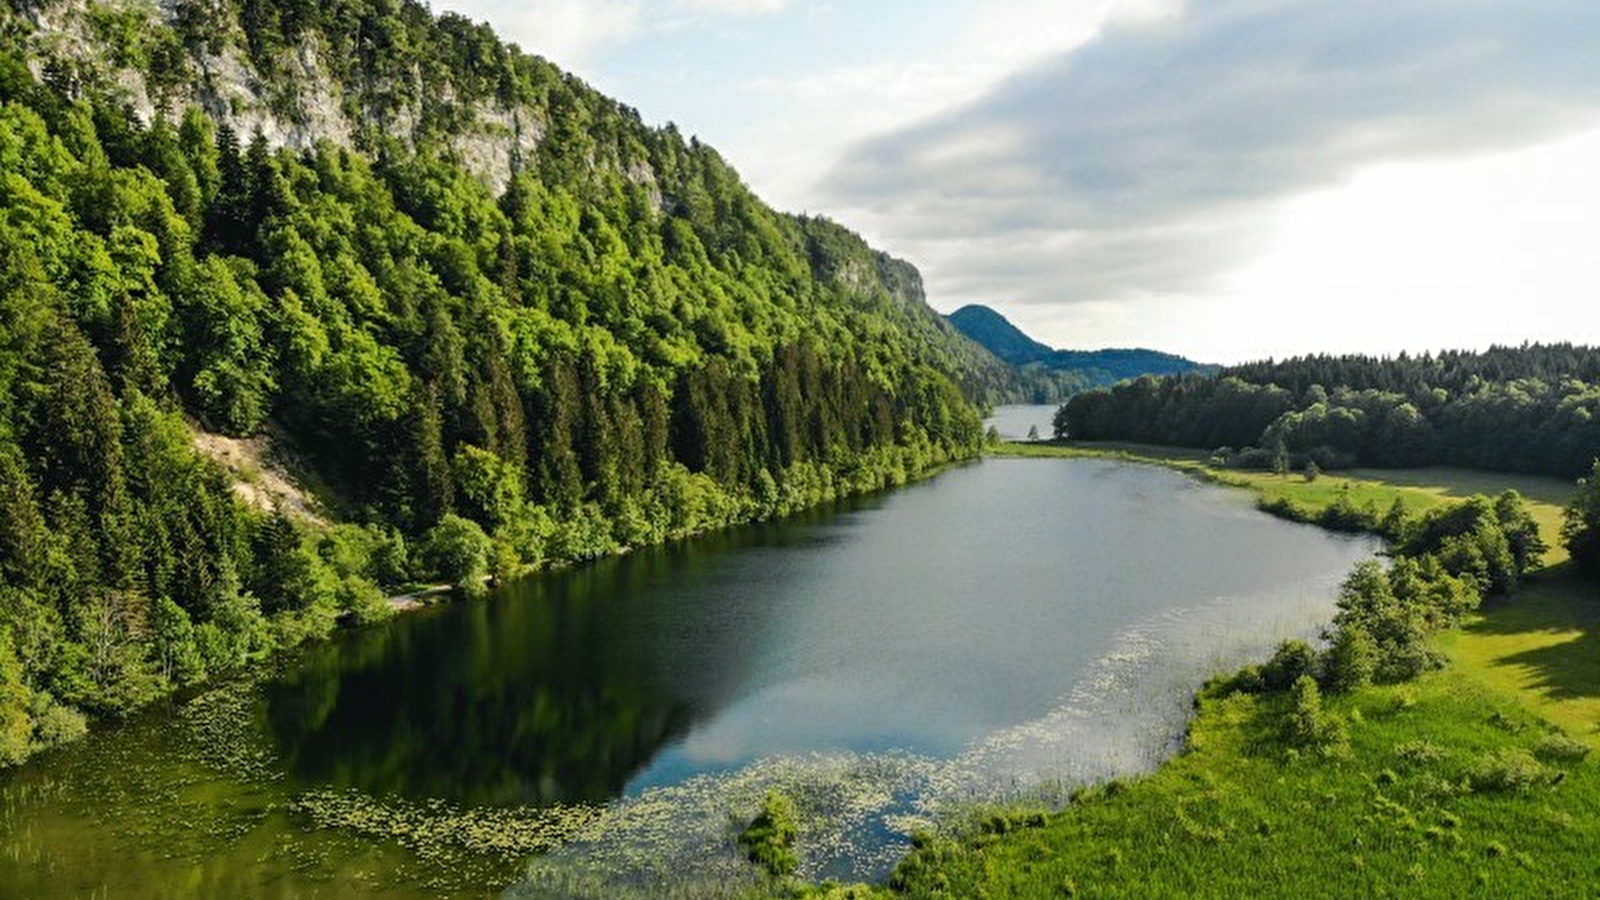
(1418,490)
(1449,788)
(1477,780)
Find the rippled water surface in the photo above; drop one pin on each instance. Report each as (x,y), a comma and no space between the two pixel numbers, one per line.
(1006,625)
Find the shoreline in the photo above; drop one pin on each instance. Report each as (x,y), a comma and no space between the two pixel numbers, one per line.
(425,596)
(1225,757)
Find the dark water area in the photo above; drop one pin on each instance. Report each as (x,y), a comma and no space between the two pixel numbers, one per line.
(1004,625)
(557,689)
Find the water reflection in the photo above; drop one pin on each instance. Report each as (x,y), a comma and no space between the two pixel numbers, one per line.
(558,689)
(1006,624)
(922,621)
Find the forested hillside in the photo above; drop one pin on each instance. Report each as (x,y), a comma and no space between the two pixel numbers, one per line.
(1526,409)
(497,318)
(1048,375)
(996,332)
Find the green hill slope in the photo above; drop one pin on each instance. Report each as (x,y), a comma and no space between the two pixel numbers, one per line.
(996,333)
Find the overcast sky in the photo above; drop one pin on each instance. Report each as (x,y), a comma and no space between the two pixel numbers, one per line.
(1229,180)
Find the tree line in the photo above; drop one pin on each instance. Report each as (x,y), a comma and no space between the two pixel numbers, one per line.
(1444,564)
(1533,409)
(622,347)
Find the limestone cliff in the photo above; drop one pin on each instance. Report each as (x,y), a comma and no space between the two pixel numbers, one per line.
(361,76)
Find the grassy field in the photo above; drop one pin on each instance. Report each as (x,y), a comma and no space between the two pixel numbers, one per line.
(1448,789)
(1543,647)
(1473,781)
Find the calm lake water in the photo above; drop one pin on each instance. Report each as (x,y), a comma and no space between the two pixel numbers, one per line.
(1013,421)
(1000,629)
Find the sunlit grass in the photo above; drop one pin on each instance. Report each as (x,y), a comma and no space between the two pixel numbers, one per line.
(1151,453)
(1449,789)
(1546,497)
(1544,645)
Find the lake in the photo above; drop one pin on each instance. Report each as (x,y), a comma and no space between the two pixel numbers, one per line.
(1012,422)
(1011,627)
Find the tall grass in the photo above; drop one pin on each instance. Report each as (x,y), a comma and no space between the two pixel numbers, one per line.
(1448,789)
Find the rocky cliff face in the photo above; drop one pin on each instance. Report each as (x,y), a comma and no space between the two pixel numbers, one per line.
(161,58)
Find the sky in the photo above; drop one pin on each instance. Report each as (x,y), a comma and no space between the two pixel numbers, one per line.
(1225,179)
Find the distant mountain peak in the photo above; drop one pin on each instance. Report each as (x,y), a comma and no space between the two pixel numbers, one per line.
(1094,367)
(996,333)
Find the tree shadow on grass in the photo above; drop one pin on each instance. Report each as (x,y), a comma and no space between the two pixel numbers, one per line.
(1559,614)
(1566,671)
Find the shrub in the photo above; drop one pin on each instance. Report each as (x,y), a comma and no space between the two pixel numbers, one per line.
(1558,747)
(1285,508)
(1245,681)
(457,551)
(1343,515)
(1350,661)
(363,601)
(1397,608)
(1395,523)
(1293,659)
(1580,531)
(768,841)
(1308,726)
(1469,540)
(15,723)
(1419,751)
(54,723)
(1509,769)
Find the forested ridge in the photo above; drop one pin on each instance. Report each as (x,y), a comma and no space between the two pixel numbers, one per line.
(1530,409)
(610,342)
(1047,375)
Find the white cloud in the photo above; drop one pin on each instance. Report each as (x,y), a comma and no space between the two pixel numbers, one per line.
(822,113)
(1015,33)
(563,31)
(736,7)
(1497,248)
(1147,163)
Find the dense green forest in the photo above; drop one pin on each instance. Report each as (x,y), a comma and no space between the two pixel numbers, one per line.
(1529,409)
(613,344)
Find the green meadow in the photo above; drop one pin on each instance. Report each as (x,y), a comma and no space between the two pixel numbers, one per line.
(1541,646)
(1417,489)
(1448,788)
